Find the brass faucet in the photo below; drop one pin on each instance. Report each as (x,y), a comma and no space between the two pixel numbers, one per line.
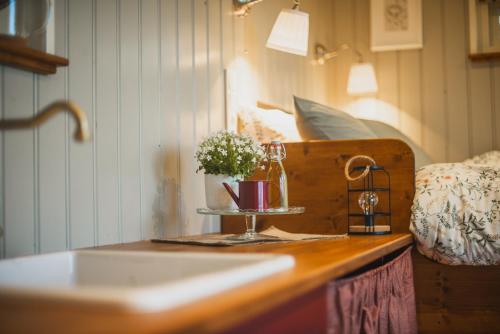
(82,127)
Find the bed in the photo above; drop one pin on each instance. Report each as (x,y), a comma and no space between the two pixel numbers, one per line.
(459,298)
(456,211)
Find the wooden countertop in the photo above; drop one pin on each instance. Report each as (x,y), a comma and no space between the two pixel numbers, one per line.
(317,262)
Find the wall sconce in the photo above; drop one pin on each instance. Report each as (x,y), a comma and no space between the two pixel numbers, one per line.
(361,79)
(290,31)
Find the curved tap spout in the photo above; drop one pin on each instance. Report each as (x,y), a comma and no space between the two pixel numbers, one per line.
(82,128)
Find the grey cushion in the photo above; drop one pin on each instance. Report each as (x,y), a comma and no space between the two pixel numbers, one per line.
(383,130)
(316,121)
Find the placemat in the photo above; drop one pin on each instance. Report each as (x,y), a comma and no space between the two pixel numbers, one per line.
(221,240)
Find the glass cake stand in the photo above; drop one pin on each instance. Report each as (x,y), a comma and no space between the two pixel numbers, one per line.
(251,218)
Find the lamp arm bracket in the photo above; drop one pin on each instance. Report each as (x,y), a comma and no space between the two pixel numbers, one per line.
(322,54)
(242,7)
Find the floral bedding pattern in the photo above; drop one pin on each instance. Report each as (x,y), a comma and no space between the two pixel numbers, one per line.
(456,211)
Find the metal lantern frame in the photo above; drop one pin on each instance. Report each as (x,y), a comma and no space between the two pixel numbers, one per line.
(370,221)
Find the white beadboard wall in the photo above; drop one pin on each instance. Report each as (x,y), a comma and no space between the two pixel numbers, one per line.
(150,75)
(447,104)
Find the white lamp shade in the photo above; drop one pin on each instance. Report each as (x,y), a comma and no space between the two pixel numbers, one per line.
(290,32)
(362,79)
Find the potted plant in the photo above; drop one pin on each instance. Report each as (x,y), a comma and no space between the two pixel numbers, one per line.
(227,157)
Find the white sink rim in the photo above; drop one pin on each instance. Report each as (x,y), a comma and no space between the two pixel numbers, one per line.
(153,298)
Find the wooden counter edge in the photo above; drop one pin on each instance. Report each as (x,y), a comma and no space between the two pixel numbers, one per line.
(267,293)
(222,311)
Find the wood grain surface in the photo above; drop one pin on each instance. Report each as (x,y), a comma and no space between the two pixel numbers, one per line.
(317,262)
(456,299)
(29,59)
(315,172)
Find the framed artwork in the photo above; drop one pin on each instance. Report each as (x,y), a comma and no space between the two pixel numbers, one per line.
(395,25)
(484,29)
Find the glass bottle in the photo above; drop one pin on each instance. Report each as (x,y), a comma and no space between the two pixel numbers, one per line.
(278,188)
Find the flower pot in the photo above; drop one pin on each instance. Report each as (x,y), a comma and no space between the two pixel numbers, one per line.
(216,195)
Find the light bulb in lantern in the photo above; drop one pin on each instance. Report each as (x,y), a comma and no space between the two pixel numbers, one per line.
(367,201)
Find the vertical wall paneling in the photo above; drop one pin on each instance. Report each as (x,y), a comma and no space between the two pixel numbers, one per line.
(344,34)
(2,174)
(129,70)
(151,156)
(186,110)
(388,83)
(220,116)
(81,155)
(228,52)
(227,32)
(410,95)
(19,166)
(481,108)
(387,65)
(312,78)
(107,122)
(361,29)
(200,104)
(496,100)
(119,119)
(52,142)
(256,28)
(361,13)
(212,69)
(433,106)
(149,75)
(169,44)
(215,74)
(456,86)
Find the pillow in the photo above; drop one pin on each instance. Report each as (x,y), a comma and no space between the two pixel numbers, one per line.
(383,130)
(316,121)
(266,125)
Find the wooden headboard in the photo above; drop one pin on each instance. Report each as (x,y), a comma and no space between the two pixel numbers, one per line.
(315,172)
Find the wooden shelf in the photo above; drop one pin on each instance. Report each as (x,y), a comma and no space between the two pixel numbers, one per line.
(16,54)
(484,56)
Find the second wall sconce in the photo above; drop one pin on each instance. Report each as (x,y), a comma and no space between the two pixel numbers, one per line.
(361,79)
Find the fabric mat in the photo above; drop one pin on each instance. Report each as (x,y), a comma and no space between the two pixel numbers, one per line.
(221,240)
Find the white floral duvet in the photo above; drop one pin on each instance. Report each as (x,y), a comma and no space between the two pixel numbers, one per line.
(456,211)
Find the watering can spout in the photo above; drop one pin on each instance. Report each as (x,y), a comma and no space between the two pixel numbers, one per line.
(231,193)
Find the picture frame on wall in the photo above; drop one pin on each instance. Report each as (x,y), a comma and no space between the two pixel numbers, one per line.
(395,25)
(484,29)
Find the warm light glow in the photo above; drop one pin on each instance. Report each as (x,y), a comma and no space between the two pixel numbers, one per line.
(373,109)
(290,32)
(361,79)
(241,89)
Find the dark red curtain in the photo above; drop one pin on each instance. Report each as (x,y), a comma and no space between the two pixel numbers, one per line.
(381,300)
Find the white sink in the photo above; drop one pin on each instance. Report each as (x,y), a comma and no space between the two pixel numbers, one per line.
(136,281)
